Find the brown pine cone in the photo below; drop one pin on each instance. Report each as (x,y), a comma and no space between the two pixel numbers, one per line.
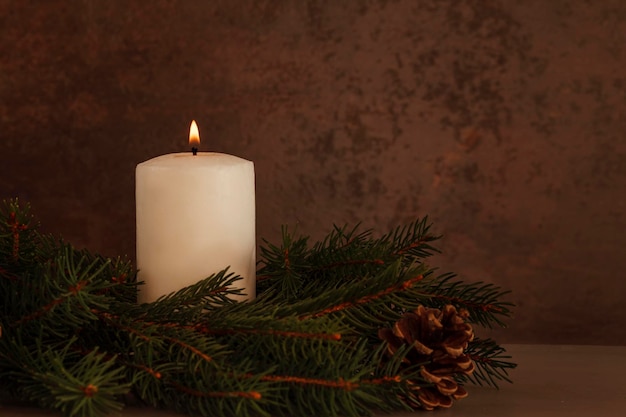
(438,338)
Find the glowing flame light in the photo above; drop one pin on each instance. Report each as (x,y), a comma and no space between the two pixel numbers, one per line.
(194,135)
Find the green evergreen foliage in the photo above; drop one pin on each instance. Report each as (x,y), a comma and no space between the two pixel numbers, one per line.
(73,338)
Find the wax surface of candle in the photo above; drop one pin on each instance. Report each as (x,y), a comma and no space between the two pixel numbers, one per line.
(195,217)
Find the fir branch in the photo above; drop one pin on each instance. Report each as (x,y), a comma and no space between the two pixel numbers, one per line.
(284,266)
(333,389)
(339,383)
(295,359)
(16,228)
(191,303)
(491,361)
(345,255)
(19,239)
(365,304)
(307,345)
(72,291)
(157,336)
(195,351)
(176,357)
(413,240)
(255,330)
(70,282)
(83,386)
(208,391)
(410,243)
(482,300)
(349,263)
(366,299)
(255,395)
(270,332)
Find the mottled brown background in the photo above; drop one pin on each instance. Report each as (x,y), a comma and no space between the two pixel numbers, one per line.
(504,121)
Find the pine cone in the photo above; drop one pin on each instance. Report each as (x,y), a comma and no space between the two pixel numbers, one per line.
(438,339)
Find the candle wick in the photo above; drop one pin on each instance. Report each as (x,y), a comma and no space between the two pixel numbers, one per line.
(194,150)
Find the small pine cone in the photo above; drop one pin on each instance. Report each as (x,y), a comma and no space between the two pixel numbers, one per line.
(438,338)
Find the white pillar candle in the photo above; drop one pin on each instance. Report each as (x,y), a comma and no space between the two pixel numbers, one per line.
(195,217)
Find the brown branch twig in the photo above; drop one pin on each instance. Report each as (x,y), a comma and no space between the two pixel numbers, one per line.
(73,291)
(366,299)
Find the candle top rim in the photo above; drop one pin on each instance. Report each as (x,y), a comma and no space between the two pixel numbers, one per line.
(188,159)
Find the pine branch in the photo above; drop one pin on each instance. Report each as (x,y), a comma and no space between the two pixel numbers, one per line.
(351,384)
(285,266)
(191,303)
(72,337)
(69,287)
(343,256)
(77,385)
(482,300)
(366,304)
(492,363)
(413,240)
(170,361)
(203,389)
(18,237)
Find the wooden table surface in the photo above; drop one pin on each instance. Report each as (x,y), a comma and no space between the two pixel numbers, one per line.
(550,380)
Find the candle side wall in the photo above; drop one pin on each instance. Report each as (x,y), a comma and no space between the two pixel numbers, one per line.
(195,217)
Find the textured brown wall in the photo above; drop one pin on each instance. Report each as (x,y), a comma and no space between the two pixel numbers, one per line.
(505,121)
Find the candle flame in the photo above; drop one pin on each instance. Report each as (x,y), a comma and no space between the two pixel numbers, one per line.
(194,134)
